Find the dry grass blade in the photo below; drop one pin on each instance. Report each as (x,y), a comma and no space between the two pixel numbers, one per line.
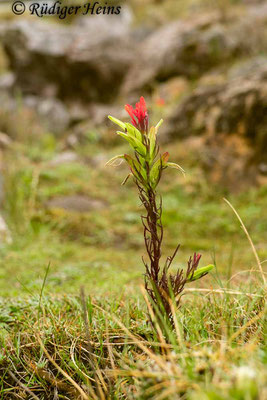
(177,329)
(97,372)
(153,356)
(72,347)
(27,390)
(248,324)
(249,239)
(153,318)
(221,291)
(109,347)
(171,392)
(75,385)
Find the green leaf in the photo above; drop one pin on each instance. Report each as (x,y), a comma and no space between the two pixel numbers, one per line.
(158,125)
(152,143)
(159,165)
(136,144)
(117,122)
(134,132)
(136,168)
(200,272)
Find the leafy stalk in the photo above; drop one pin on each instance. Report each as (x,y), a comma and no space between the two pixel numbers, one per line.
(146,167)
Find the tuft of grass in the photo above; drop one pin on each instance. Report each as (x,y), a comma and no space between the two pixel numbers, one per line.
(216,351)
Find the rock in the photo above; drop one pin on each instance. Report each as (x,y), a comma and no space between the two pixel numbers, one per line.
(18,114)
(5,236)
(2,184)
(96,124)
(231,119)
(226,160)
(99,161)
(190,48)
(237,106)
(5,141)
(170,91)
(115,25)
(98,114)
(53,113)
(63,158)
(7,81)
(87,62)
(72,141)
(76,203)
(49,113)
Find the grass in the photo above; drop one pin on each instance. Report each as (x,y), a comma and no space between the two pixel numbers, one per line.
(216,352)
(103,249)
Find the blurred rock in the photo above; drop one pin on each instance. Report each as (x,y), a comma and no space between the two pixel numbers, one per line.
(52,112)
(98,113)
(98,161)
(114,25)
(232,119)
(2,184)
(7,81)
(63,158)
(95,125)
(76,203)
(170,91)
(72,141)
(5,141)
(87,61)
(237,106)
(191,47)
(5,236)
(226,160)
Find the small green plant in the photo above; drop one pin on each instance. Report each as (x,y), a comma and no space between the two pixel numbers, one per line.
(146,167)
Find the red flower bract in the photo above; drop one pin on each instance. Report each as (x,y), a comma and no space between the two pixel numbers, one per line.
(139,115)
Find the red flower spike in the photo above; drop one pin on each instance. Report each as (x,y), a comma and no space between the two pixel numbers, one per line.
(139,115)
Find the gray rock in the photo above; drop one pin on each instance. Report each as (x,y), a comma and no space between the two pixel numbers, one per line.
(52,112)
(5,236)
(63,158)
(96,123)
(98,114)
(114,25)
(85,62)
(76,203)
(5,141)
(72,141)
(192,47)
(232,117)
(99,161)
(7,81)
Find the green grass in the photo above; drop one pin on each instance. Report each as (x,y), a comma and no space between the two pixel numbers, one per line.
(216,352)
(102,249)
